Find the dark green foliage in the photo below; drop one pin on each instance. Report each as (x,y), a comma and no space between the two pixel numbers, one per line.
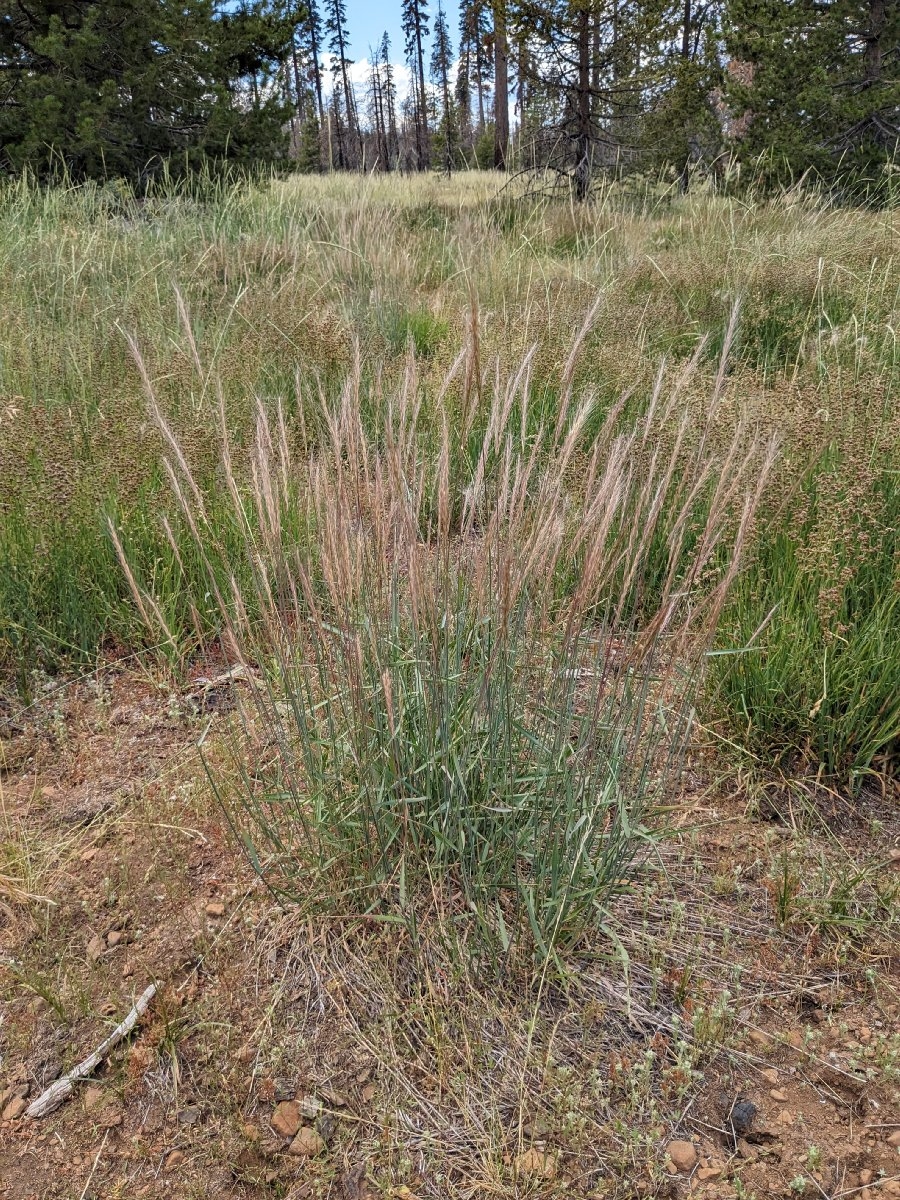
(815,85)
(682,130)
(117,88)
(447,142)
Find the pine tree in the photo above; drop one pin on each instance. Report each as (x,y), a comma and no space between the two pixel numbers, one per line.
(441,63)
(389,100)
(123,87)
(681,127)
(415,29)
(378,108)
(463,86)
(349,149)
(475,71)
(501,86)
(812,88)
(309,38)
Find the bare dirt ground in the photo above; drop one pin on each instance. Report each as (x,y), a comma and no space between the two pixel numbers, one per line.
(734,1033)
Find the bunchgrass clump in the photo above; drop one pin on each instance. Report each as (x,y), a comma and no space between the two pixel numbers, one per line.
(432,724)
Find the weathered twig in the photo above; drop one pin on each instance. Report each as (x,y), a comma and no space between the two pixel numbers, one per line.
(62,1088)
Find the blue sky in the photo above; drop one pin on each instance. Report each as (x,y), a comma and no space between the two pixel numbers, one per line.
(367,21)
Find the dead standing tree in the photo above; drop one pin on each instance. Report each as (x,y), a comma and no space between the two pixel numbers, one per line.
(583,68)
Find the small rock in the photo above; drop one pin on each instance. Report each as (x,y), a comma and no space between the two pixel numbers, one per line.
(310,1107)
(742,1116)
(865,1034)
(778,1096)
(307,1143)
(215,909)
(536,1162)
(93,1097)
(95,948)
(708,1174)
(683,1156)
(174,1159)
(785,1117)
(14,1109)
(286,1119)
(354,1185)
(770,1075)
(114,937)
(894,1139)
(758,1038)
(890,1187)
(866,1176)
(795,1039)
(325,1126)
(111,1117)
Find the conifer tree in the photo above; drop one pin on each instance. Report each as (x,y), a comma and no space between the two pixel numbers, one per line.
(121,87)
(415,29)
(501,85)
(441,63)
(819,89)
(310,36)
(475,70)
(389,99)
(349,148)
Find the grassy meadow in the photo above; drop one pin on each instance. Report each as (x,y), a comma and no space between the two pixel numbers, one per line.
(475,311)
(528,576)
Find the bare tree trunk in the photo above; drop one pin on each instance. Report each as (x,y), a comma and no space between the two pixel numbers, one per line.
(686,31)
(595,62)
(685,176)
(338,128)
(583,132)
(378,115)
(479,67)
(501,87)
(317,84)
(873,38)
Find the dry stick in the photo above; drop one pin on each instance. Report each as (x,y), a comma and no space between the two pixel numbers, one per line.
(63,1088)
(94,1167)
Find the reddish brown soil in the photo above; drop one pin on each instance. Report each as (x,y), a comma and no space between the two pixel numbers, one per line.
(132,876)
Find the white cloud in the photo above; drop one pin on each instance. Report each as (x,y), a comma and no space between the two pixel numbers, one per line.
(359,73)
